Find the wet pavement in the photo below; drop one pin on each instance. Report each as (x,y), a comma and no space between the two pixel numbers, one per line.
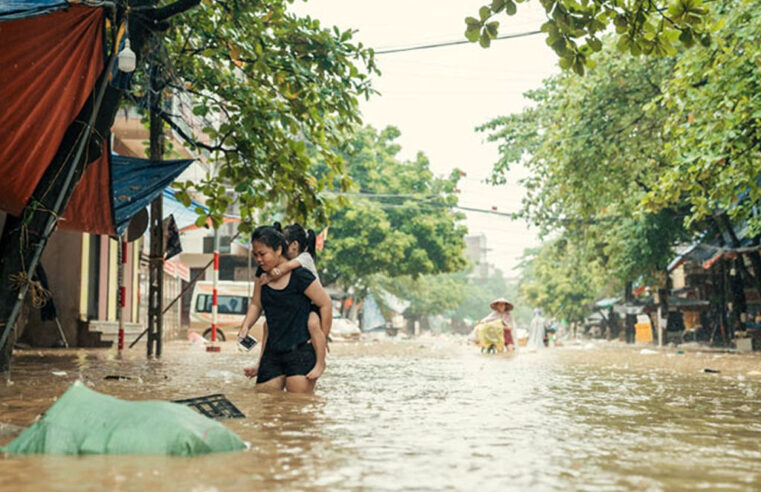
(422,414)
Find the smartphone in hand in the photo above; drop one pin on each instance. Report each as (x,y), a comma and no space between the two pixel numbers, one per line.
(248,342)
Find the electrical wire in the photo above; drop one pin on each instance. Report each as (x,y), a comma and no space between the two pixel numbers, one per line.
(453,43)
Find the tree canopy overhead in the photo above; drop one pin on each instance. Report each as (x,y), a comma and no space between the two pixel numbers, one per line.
(713,124)
(594,153)
(575,28)
(265,84)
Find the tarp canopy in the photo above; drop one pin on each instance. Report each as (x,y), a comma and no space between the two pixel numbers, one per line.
(83,421)
(186,217)
(116,188)
(136,182)
(19,9)
(607,302)
(48,68)
(706,252)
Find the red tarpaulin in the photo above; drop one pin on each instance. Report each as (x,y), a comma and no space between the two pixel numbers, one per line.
(90,206)
(48,67)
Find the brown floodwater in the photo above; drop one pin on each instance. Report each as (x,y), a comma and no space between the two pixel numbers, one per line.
(421,414)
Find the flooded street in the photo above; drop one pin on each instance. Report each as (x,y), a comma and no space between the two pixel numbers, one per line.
(426,414)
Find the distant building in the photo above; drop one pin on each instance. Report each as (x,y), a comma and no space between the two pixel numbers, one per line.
(475,248)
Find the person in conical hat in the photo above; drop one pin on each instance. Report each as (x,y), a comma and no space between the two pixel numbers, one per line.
(501,308)
(501,300)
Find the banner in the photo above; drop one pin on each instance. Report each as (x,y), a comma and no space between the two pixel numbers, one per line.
(320,239)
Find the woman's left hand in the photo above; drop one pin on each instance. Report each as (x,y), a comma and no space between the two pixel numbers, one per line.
(316,371)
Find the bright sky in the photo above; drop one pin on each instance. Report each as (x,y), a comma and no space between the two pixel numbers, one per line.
(436,97)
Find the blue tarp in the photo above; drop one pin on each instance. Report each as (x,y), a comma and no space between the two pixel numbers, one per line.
(371,314)
(136,182)
(183,216)
(19,9)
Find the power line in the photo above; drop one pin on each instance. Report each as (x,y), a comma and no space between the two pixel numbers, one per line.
(453,43)
(419,200)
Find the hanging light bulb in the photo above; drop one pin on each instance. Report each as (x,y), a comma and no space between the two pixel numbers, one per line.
(127,58)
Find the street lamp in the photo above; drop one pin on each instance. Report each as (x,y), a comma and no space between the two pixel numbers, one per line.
(127,58)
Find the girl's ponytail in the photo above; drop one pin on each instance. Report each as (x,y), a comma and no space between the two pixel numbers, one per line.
(311,243)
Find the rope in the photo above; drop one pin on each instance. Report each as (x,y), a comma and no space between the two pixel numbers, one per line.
(40,295)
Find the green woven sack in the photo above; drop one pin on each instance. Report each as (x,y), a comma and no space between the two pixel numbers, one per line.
(83,421)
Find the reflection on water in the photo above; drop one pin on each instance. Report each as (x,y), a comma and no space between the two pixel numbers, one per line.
(423,415)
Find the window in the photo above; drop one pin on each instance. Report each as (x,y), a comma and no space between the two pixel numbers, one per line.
(225,304)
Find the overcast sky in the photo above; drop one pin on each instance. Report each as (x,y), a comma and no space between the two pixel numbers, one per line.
(436,97)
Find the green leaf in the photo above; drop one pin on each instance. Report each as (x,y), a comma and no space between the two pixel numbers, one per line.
(492,28)
(510,7)
(484,13)
(578,66)
(473,35)
(549,27)
(484,40)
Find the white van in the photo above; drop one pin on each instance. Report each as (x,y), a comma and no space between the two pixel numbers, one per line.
(232,305)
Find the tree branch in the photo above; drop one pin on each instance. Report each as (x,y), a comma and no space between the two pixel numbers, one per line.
(189,139)
(164,13)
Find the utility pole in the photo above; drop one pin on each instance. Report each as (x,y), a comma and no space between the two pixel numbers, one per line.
(156,259)
(631,319)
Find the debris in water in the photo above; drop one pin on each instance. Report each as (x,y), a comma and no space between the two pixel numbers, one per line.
(712,371)
(118,377)
(647,352)
(58,373)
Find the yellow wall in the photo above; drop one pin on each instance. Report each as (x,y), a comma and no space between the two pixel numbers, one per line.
(83,276)
(137,247)
(113,278)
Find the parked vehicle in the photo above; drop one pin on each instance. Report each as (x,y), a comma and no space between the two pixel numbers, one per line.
(232,305)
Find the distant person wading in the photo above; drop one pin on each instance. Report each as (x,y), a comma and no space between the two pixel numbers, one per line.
(289,358)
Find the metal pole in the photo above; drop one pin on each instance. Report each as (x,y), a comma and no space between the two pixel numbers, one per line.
(122,290)
(248,254)
(213,347)
(659,317)
(156,259)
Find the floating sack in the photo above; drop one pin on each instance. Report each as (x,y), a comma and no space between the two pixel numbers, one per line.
(491,335)
(83,421)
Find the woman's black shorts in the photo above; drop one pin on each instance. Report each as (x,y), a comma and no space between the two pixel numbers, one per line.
(296,362)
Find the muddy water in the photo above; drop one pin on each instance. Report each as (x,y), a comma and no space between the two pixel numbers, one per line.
(428,414)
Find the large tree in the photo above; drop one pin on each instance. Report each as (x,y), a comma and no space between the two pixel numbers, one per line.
(397,217)
(714,123)
(594,152)
(641,151)
(273,91)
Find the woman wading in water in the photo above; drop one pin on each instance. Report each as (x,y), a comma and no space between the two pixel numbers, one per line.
(289,359)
